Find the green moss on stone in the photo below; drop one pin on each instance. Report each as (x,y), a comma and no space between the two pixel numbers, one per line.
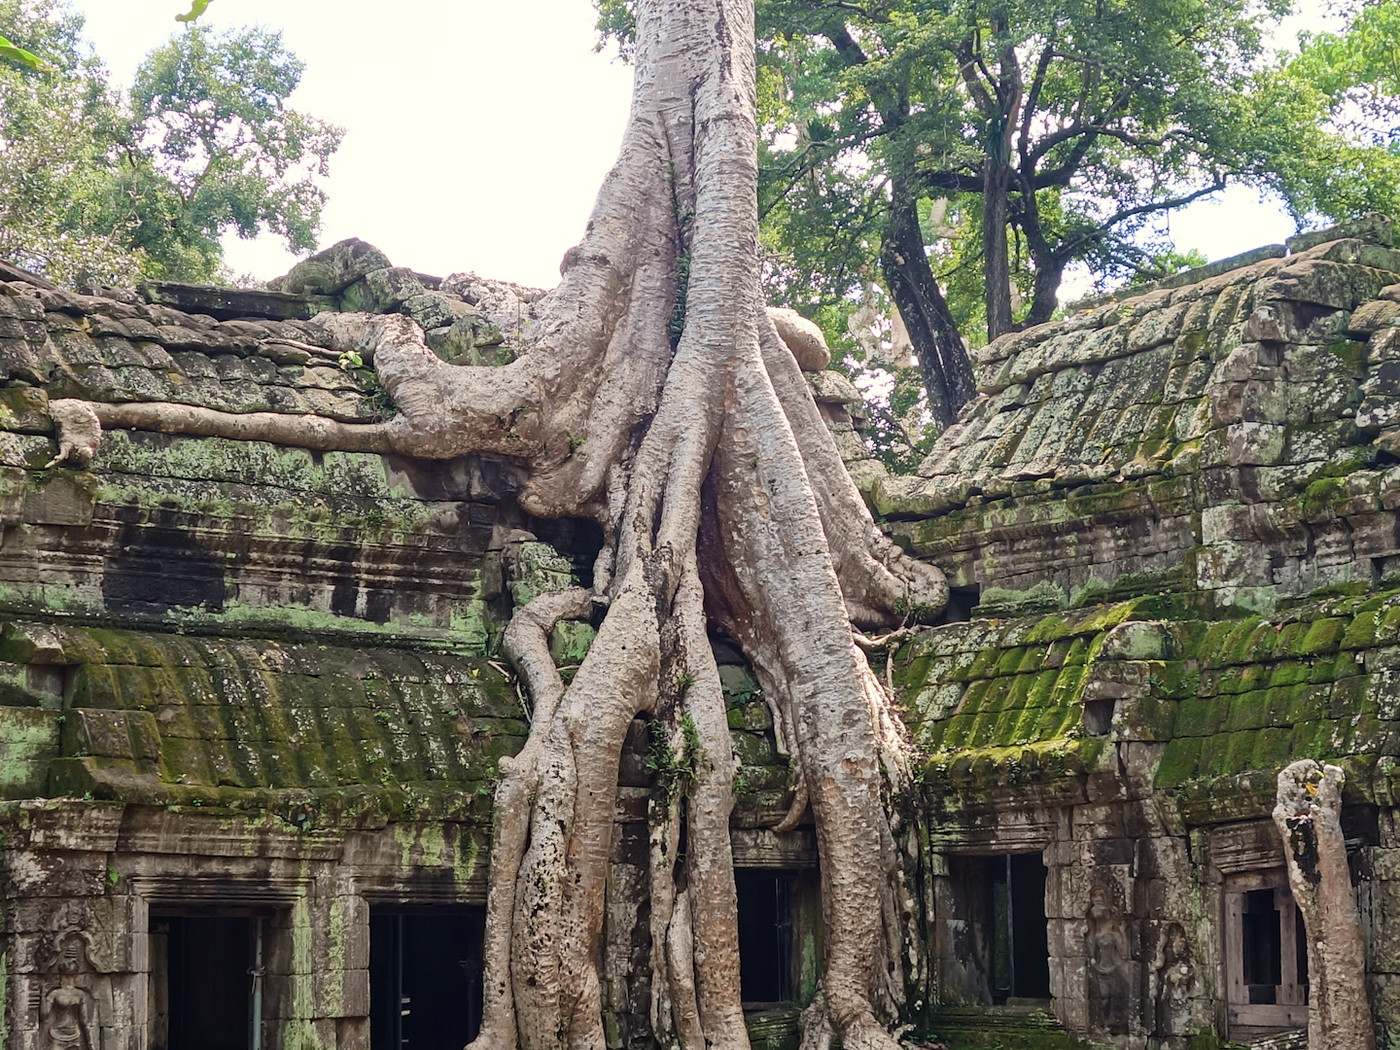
(1044,596)
(1352,353)
(1179,762)
(1361,632)
(1347,697)
(1248,711)
(1324,636)
(1198,716)
(1290,672)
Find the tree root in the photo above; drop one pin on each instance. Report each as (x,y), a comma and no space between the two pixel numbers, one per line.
(1308,817)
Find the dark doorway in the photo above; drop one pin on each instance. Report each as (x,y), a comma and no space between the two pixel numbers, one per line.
(1024,876)
(765,936)
(202,982)
(1262,947)
(425,977)
(996,946)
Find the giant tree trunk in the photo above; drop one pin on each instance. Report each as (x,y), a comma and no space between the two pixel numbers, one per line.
(723,502)
(1308,816)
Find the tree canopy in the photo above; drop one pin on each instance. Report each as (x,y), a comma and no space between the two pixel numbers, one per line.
(1335,106)
(100,185)
(960,155)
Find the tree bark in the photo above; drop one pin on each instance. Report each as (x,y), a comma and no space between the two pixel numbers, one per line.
(1308,817)
(1049,272)
(996,260)
(722,500)
(942,356)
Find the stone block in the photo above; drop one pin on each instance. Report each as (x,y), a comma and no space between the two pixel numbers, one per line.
(1114,679)
(96,732)
(1137,640)
(1373,228)
(1383,346)
(28,740)
(1314,281)
(331,987)
(1270,323)
(1244,444)
(1073,1013)
(1380,405)
(387,289)
(122,1037)
(230,303)
(435,309)
(43,874)
(25,410)
(1373,316)
(329,272)
(1385,923)
(352,1033)
(1073,977)
(1098,822)
(21,307)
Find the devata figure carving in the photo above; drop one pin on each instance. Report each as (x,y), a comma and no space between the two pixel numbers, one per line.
(1174,976)
(1106,946)
(66,1011)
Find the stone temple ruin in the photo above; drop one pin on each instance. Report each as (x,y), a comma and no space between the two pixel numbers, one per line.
(251,701)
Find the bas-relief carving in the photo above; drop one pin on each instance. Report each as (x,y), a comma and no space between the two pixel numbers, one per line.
(71,982)
(1108,955)
(67,1010)
(1173,977)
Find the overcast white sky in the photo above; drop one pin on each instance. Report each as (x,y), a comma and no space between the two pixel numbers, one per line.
(478,131)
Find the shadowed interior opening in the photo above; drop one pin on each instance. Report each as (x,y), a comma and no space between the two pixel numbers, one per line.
(202,982)
(765,936)
(425,976)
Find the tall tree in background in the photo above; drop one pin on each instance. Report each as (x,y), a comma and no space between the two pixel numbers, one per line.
(1058,131)
(103,186)
(1012,139)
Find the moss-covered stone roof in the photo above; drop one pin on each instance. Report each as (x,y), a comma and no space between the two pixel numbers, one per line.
(1316,681)
(1191,438)
(1003,702)
(100,349)
(1223,704)
(170,719)
(318,733)
(1126,390)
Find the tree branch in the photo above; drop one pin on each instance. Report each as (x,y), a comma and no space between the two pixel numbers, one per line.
(952,181)
(1033,95)
(851,52)
(968,65)
(1066,250)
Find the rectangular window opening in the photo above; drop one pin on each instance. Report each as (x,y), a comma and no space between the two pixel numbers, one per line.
(999,952)
(205,986)
(1266,955)
(425,972)
(765,936)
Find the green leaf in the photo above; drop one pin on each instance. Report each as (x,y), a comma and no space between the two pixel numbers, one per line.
(20,57)
(198,8)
